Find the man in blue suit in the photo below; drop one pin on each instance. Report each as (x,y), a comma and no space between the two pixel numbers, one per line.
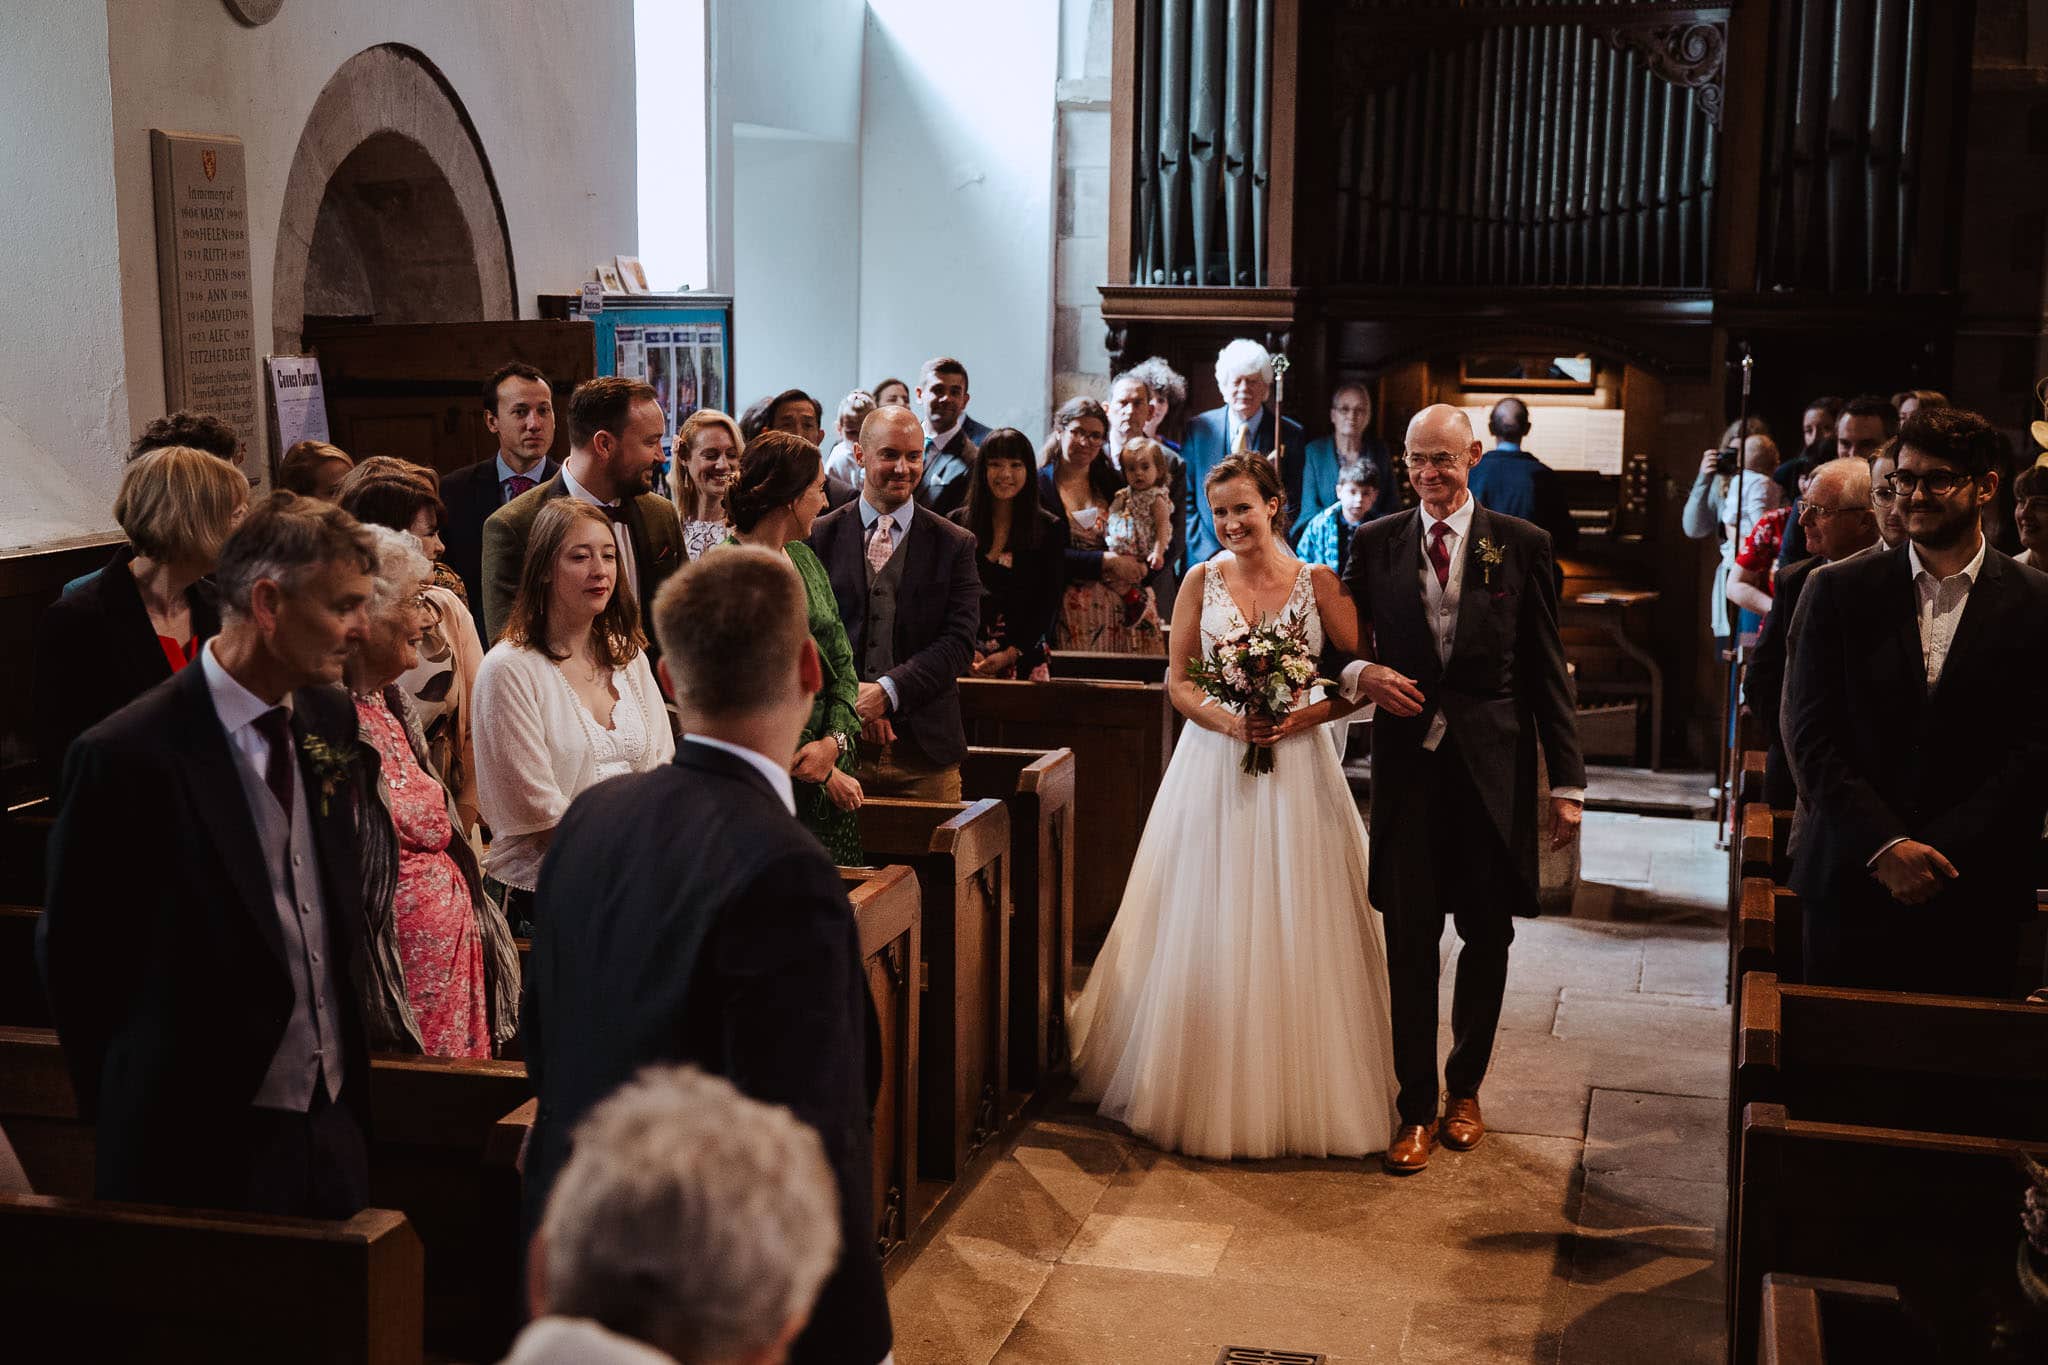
(1244,372)
(1511,481)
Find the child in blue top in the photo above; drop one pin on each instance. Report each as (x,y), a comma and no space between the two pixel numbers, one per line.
(1327,537)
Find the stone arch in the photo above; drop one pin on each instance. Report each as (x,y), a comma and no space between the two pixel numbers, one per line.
(387,123)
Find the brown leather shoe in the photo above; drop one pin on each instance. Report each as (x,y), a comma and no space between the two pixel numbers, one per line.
(1409,1151)
(1462,1127)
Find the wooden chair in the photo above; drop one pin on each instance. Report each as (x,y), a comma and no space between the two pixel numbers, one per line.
(1038,788)
(88,1280)
(1121,734)
(888,906)
(961,853)
(1810,1321)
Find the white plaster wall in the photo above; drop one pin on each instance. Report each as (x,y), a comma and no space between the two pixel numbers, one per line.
(957,154)
(63,393)
(548,85)
(796,313)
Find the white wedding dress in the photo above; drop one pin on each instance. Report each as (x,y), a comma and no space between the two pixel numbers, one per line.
(1239,1007)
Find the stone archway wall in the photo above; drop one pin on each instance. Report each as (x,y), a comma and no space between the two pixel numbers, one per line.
(389,89)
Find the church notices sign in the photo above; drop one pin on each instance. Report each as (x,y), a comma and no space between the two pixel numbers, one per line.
(202,261)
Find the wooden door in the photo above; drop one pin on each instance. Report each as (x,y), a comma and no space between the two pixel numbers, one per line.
(415,390)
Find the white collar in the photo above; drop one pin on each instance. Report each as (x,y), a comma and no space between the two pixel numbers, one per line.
(870,514)
(1969,571)
(777,775)
(1459,521)
(582,494)
(1231,422)
(939,440)
(235,704)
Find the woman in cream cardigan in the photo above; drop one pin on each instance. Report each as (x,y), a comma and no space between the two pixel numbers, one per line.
(566,699)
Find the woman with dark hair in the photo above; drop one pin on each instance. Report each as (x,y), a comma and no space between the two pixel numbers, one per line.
(1104,605)
(401,496)
(1021,550)
(779,492)
(566,698)
(891,391)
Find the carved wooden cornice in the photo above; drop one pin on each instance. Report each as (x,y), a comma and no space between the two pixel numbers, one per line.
(1691,56)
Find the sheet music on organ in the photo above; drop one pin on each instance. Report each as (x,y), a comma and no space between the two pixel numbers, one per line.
(1566,439)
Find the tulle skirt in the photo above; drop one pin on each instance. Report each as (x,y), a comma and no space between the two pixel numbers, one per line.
(1239,1007)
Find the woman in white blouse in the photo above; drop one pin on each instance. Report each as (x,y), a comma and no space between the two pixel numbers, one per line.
(707,457)
(565,699)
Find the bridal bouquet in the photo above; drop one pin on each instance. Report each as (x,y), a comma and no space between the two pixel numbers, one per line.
(1263,671)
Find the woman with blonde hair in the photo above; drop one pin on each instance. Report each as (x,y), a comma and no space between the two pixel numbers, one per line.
(566,698)
(116,633)
(707,457)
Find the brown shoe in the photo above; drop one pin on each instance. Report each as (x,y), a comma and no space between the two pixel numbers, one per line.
(1409,1152)
(1462,1127)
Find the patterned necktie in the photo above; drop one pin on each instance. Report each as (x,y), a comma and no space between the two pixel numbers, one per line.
(881,543)
(516,485)
(1439,557)
(275,726)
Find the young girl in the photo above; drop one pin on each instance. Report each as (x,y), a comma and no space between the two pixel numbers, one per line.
(1141,514)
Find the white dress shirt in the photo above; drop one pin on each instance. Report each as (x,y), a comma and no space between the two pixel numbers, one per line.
(776,775)
(620,535)
(939,440)
(869,515)
(1942,601)
(1234,424)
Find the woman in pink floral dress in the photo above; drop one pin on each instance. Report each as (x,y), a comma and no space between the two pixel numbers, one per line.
(440,974)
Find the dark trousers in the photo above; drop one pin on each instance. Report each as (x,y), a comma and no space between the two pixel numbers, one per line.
(1461,870)
(1873,943)
(310,1165)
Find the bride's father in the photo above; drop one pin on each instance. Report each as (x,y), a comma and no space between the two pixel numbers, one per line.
(1464,662)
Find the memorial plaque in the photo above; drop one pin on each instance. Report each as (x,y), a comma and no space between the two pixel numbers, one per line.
(202,263)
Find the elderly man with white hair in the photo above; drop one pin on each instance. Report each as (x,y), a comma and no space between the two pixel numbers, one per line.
(692,1224)
(1244,374)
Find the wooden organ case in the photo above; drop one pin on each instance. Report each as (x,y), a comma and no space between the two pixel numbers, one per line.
(1385,189)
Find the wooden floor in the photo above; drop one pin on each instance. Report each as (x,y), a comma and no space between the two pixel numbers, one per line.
(1586,1228)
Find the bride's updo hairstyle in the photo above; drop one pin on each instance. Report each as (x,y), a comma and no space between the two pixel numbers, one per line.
(774,472)
(1260,471)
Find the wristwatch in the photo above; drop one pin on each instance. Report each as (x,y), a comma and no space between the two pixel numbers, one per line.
(847,743)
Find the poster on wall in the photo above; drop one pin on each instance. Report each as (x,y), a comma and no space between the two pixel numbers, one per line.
(658,343)
(629,357)
(711,367)
(298,404)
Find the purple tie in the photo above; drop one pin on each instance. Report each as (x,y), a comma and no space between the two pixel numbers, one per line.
(1439,557)
(275,725)
(516,485)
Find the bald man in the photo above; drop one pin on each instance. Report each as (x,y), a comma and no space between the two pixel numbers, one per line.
(1468,673)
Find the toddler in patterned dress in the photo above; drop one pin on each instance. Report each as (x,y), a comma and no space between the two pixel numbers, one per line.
(1141,522)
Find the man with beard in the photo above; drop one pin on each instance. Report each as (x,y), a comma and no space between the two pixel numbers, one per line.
(1916,731)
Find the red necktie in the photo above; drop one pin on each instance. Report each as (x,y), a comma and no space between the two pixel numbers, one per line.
(1439,557)
(516,485)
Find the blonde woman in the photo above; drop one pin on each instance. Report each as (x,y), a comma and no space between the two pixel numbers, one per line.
(707,457)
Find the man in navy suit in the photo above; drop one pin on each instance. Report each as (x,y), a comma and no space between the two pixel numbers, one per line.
(952,439)
(1511,481)
(519,408)
(1244,372)
(910,594)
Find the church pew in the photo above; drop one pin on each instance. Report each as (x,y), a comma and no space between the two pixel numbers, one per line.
(961,853)
(1038,788)
(888,906)
(1935,1214)
(1761,846)
(1122,737)
(89,1280)
(1767,930)
(1749,778)
(431,1122)
(22,1002)
(1103,664)
(1954,1064)
(1813,1321)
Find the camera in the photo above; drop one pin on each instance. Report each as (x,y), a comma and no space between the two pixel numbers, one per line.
(1727,461)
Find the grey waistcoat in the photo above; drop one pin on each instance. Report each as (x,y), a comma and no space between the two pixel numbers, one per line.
(879,652)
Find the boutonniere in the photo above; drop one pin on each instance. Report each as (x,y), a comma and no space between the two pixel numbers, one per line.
(1490,558)
(332,763)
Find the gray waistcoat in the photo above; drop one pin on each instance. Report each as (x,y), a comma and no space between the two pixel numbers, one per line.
(879,647)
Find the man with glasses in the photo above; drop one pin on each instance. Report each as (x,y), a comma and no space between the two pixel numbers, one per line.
(1914,726)
(1836,512)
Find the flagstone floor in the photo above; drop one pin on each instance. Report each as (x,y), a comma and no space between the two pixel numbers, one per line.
(1587,1227)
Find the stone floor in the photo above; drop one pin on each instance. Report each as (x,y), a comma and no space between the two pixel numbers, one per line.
(1588,1227)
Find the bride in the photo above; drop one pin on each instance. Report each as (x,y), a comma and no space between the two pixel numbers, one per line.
(1239,1007)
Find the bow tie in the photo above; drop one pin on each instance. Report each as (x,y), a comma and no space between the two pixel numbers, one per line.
(615,510)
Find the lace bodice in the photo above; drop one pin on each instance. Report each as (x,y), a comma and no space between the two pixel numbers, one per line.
(1220,614)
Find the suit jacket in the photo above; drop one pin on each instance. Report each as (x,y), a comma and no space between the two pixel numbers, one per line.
(160,947)
(96,651)
(937,616)
(947,474)
(1879,758)
(1763,685)
(1207,444)
(1504,692)
(657,551)
(1517,484)
(734,950)
(471,494)
(973,430)
(838,492)
(1319,479)
(1025,597)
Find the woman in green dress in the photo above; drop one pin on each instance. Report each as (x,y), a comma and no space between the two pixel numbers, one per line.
(779,492)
